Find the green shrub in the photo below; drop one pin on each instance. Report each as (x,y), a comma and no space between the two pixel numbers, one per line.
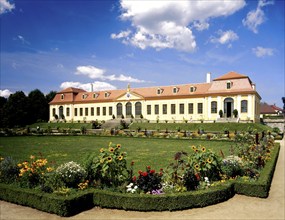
(9,171)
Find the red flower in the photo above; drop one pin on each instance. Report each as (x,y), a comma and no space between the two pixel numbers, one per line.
(144,173)
(197,176)
(132,163)
(161,169)
(148,167)
(140,172)
(160,174)
(152,171)
(134,178)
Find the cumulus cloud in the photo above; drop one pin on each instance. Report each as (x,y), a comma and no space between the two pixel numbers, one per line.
(5,93)
(97,73)
(256,17)
(6,6)
(262,52)
(167,24)
(97,86)
(224,37)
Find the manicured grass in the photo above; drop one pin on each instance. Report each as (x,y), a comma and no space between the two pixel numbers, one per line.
(207,127)
(61,125)
(157,153)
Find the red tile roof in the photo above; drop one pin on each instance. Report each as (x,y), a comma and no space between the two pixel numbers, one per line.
(231,75)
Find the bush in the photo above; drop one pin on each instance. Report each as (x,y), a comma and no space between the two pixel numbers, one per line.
(71,174)
(9,171)
(232,167)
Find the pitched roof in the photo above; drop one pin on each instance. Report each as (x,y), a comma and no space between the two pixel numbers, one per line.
(269,109)
(231,75)
(72,90)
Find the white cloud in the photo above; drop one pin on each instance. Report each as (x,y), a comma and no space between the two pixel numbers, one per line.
(97,73)
(167,24)
(256,17)
(5,93)
(262,52)
(6,6)
(22,40)
(97,86)
(225,37)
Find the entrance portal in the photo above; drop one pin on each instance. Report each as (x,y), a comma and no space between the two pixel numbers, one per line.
(228,107)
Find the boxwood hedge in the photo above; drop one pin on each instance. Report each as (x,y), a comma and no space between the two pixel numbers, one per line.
(80,201)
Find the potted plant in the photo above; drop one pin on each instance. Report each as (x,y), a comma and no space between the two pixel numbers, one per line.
(221,113)
(235,112)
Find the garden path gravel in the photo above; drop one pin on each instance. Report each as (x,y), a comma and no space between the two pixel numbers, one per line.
(238,207)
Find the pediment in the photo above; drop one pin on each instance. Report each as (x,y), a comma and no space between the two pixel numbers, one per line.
(130,96)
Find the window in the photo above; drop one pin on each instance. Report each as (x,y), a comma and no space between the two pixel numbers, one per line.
(86,111)
(192,89)
(128,109)
(53,112)
(173,108)
(110,110)
(119,109)
(156,109)
(229,84)
(107,94)
(62,96)
(200,108)
(84,96)
(75,112)
(98,111)
(190,108)
(92,111)
(175,90)
(148,109)
(243,106)
(104,111)
(181,108)
(138,108)
(81,111)
(159,91)
(214,107)
(164,109)
(67,111)
(95,95)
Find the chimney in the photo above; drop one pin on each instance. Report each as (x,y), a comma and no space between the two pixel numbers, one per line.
(208,77)
(91,87)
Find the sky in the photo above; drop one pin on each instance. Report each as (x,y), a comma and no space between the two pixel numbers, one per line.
(55,44)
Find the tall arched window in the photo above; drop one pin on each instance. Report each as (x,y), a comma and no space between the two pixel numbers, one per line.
(128,109)
(60,110)
(119,109)
(214,107)
(243,106)
(67,112)
(138,109)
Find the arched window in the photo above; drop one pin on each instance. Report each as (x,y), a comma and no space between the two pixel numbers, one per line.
(53,112)
(138,108)
(214,107)
(61,116)
(119,109)
(243,106)
(128,109)
(67,112)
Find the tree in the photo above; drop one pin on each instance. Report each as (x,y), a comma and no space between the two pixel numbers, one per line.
(15,110)
(38,106)
(3,101)
(50,96)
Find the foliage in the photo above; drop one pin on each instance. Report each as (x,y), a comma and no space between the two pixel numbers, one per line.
(109,168)
(149,180)
(9,170)
(232,167)
(32,172)
(205,162)
(71,173)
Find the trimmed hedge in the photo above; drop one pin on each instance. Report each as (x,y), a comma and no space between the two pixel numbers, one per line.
(178,201)
(81,201)
(261,187)
(60,205)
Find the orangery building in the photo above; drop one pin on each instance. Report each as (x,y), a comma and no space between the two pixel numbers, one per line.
(230,96)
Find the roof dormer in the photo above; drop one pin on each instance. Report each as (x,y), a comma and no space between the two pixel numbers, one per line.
(107,94)
(84,96)
(159,91)
(193,89)
(95,95)
(175,90)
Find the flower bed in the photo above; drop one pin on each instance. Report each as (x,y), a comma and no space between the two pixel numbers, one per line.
(194,179)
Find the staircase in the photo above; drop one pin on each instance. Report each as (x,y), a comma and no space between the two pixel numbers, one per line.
(226,120)
(113,123)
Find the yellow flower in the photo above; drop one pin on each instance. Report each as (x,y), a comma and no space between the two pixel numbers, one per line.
(196,166)
(203,149)
(19,165)
(109,159)
(1,158)
(110,144)
(118,146)
(102,150)
(209,160)
(111,149)
(120,157)
(49,169)
(32,157)
(102,161)
(193,147)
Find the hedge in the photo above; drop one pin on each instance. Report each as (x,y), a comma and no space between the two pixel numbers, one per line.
(261,187)
(60,205)
(81,201)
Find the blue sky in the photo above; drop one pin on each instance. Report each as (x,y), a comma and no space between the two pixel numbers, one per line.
(51,45)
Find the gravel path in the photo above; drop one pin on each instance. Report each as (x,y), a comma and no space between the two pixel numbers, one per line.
(238,207)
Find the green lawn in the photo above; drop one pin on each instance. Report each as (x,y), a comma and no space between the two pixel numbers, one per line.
(155,152)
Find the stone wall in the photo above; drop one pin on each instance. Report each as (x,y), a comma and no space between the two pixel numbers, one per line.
(279,123)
